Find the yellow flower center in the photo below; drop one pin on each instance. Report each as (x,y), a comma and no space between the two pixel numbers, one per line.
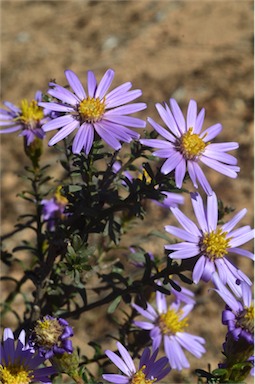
(31,113)
(139,377)
(215,244)
(249,315)
(47,332)
(170,322)
(91,109)
(191,145)
(15,374)
(246,319)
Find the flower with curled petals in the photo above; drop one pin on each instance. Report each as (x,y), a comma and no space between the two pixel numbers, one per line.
(184,145)
(19,363)
(94,111)
(239,312)
(209,243)
(238,315)
(149,371)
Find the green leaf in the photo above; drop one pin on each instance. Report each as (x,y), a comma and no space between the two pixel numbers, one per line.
(74,188)
(114,304)
(160,235)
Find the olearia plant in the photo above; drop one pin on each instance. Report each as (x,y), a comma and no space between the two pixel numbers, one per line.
(78,225)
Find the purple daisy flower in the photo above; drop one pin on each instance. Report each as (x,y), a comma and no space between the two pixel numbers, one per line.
(167,324)
(93,111)
(54,208)
(239,313)
(51,336)
(28,118)
(185,145)
(19,363)
(210,243)
(149,371)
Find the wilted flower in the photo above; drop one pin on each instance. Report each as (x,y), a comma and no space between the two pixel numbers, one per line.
(51,336)
(54,208)
(27,118)
(149,371)
(185,145)
(210,243)
(239,312)
(19,364)
(168,324)
(238,315)
(94,111)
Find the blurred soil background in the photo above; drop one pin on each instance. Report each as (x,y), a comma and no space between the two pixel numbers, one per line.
(182,49)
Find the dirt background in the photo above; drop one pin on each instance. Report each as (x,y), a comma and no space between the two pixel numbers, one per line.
(182,49)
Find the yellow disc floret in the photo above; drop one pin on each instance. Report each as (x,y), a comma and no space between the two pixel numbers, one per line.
(91,109)
(170,322)
(140,378)
(246,319)
(191,145)
(31,113)
(214,244)
(15,374)
(249,315)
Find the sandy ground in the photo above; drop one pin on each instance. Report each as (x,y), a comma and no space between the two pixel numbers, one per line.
(182,49)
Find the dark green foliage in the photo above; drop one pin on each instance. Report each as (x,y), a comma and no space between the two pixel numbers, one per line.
(102,204)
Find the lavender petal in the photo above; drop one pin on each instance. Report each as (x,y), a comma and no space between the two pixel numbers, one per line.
(75,84)
(104,84)
(64,132)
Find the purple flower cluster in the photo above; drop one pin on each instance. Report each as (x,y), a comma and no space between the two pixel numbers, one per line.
(51,337)
(20,363)
(99,114)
